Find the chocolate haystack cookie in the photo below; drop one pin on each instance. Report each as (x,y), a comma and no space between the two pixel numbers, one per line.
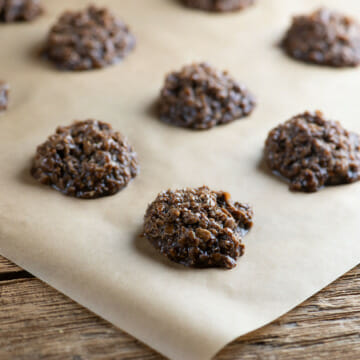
(87,159)
(325,37)
(4,95)
(88,39)
(198,227)
(19,10)
(313,152)
(201,97)
(219,5)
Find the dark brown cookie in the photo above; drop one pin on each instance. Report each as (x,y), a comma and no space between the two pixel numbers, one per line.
(87,159)
(324,37)
(201,97)
(198,227)
(19,10)
(4,95)
(312,152)
(88,39)
(219,5)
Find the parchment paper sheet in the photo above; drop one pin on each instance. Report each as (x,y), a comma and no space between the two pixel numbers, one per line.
(90,250)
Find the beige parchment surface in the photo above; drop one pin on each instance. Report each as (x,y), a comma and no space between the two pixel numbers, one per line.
(90,250)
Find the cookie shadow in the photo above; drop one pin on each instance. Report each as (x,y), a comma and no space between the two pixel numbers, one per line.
(182,4)
(146,250)
(310,65)
(152,111)
(37,56)
(263,168)
(24,176)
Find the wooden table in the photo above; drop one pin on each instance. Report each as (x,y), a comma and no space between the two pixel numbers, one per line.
(37,322)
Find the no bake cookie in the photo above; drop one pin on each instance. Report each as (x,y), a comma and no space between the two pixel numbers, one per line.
(201,97)
(324,37)
(4,95)
(198,227)
(87,159)
(19,10)
(311,152)
(89,39)
(219,5)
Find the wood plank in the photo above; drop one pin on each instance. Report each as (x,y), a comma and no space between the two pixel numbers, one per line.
(327,326)
(37,322)
(6,266)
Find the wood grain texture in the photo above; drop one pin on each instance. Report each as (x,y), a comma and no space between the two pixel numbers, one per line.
(6,266)
(37,322)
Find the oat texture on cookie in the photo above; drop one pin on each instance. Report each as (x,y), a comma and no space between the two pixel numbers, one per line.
(19,10)
(198,227)
(325,37)
(200,97)
(88,39)
(219,5)
(87,159)
(311,152)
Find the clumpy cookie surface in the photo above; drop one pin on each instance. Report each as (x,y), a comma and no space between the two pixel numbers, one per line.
(312,152)
(19,10)
(201,97)
(87,159)
(219,5)
(324,37)
(4,95)
(88,39)
(198,227)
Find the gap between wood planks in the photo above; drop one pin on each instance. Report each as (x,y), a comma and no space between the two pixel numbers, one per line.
(22,274)
(10,271)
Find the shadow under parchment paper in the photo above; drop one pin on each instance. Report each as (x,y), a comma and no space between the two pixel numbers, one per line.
(37,56)
(25,177)
(264,170)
